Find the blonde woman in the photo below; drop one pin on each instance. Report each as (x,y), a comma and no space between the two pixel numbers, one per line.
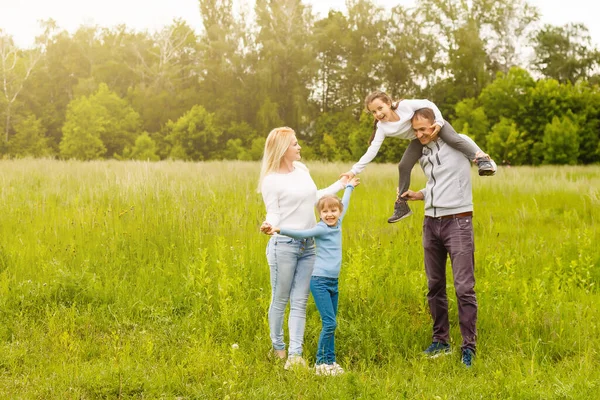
(290,195)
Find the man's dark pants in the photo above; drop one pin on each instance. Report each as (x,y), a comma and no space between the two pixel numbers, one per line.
(454,236)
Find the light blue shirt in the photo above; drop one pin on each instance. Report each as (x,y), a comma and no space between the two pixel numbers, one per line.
(328,240)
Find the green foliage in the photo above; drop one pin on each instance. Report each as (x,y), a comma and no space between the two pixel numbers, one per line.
(565,53)
(144,149)
(508,95)
(506,144)
(122,123)
(472,120)
(194,136)
(561,141)
(268,117)
(83,127)
(114,125)
(29,139)
(257,148)
(235,150)
(359,136)
(282,65)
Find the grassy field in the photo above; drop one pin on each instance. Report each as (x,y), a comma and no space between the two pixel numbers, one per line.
(136,280)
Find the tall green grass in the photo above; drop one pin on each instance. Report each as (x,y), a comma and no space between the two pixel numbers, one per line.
(134,280)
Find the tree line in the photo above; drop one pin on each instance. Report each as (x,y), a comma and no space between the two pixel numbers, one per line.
(528,94)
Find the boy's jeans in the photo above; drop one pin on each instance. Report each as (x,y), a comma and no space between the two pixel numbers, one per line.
(291,262)
(325,293)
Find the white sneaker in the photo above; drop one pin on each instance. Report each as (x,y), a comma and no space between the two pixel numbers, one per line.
(323,369)
(328,369)
(338,369)
(295,360)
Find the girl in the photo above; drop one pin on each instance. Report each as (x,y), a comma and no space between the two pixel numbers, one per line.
(393,120)
(289,194)
(324,280)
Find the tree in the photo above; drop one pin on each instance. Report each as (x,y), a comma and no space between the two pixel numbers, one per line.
(561,142)
(475,39)
(330,40)
(235,150)
(507,144)
(410,58)
(227,62)
(285,63)
(508,96)
(194,136)
(15,68)
(29,139)
(472,120)
(143,150)
(165,64)
(123,124)
(565,53)
(83,127)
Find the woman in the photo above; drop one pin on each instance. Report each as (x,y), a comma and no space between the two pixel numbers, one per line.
(290,195)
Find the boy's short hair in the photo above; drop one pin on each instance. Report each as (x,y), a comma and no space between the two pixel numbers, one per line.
(330,200)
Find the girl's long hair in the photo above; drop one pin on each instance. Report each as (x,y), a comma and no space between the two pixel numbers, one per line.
(276,145)
(378,94)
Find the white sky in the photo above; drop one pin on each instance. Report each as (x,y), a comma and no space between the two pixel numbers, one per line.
(19,18)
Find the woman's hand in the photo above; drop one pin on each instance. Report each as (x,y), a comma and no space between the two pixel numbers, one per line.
(265,228)
(347,175)
(436,129)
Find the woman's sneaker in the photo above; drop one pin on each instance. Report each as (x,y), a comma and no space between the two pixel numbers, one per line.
(276,354)
(293,361)
(401,211)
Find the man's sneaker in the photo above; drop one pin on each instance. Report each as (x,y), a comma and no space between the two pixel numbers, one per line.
(437,349)
(295,360)
(467,357)
(401,211)
(486,166)
(328,369)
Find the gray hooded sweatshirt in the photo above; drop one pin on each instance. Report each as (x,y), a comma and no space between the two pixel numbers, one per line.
(448,190)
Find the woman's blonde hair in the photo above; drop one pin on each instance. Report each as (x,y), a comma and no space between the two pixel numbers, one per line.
(276,145)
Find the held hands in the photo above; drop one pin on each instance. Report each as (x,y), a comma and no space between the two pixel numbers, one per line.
(354,182)
(267,229)
(347,175)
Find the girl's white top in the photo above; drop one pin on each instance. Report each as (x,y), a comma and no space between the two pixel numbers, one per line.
(290,198)
(401,129)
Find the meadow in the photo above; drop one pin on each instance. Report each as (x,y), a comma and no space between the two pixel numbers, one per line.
(139,280)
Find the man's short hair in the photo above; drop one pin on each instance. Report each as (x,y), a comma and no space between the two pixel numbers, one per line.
(426,113)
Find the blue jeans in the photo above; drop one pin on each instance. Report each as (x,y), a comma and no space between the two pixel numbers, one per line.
(325,293)
(291,262)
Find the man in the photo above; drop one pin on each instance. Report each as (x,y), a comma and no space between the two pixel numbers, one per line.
(447,229)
